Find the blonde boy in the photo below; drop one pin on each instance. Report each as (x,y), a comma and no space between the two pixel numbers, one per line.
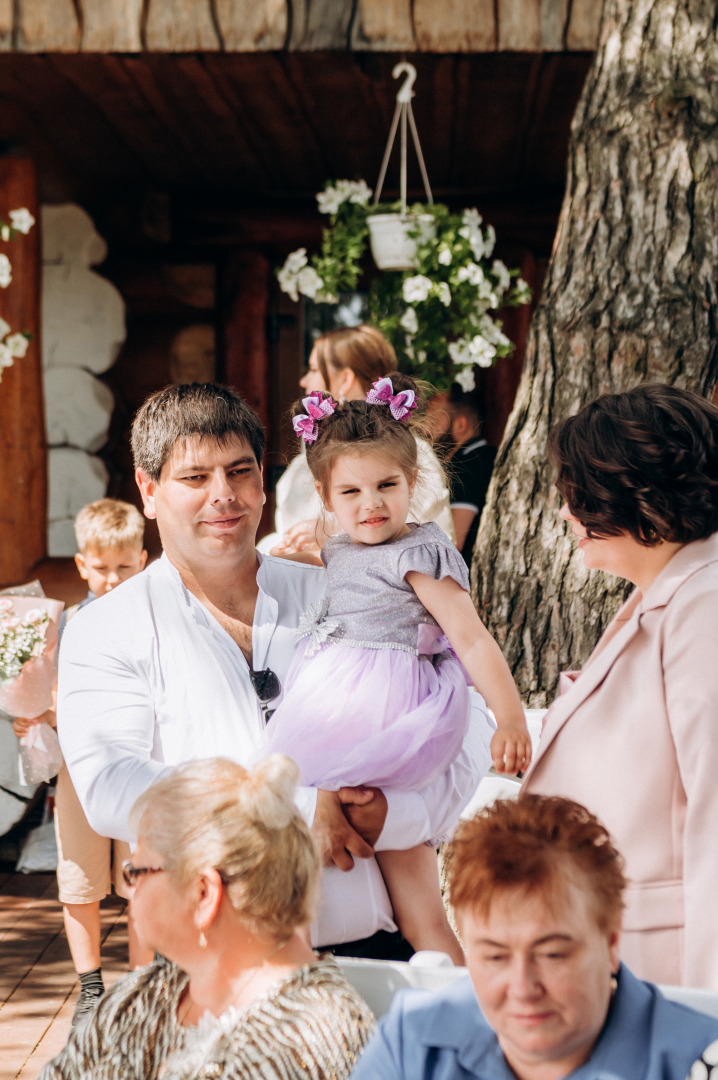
(109,536)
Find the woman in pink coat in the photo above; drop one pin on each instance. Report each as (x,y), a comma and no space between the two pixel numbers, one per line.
(635,736)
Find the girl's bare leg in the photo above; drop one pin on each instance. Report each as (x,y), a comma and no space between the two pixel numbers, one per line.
(412,880)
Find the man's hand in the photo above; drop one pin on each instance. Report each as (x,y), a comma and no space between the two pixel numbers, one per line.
(367,818)
(335,838)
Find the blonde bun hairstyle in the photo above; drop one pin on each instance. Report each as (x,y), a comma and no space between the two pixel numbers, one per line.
(244,824)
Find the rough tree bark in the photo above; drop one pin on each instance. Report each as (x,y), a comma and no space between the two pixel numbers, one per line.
(630,297)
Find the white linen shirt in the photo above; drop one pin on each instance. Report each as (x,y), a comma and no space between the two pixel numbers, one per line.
(149,679)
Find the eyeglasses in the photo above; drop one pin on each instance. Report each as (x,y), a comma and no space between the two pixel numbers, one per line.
(131,873)
(266,686)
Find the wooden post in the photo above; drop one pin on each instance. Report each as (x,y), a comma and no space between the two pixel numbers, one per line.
(23,450)
(243,353)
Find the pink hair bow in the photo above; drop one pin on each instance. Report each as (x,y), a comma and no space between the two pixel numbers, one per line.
(400,404)
(305,424)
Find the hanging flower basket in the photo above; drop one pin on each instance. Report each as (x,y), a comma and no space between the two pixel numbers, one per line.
(437,294)
(393,239)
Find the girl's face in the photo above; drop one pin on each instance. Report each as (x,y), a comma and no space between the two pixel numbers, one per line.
(369,492)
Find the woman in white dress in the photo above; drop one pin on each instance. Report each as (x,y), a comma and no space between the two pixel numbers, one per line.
(345,362)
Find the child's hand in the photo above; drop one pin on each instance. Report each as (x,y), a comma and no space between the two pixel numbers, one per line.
(22,725)
(511,749)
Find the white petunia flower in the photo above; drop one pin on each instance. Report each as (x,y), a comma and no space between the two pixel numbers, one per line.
(472,273)
(500,272)
(409,321)
(308,282)
(22,220)
(287,276)
(445,256)
(18,345)
(472,218)
(444,293)
(5,232)
(329,200)
(5,272)
(482,351)
(5,328)
(416,289)
(488,329)
(489,240)
(359,192)
(522,291)
(6,357)
(465,378)
(459,351)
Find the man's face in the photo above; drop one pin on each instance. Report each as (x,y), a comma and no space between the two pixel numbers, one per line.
(207,503)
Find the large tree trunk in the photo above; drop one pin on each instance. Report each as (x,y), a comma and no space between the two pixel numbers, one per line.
(630,297)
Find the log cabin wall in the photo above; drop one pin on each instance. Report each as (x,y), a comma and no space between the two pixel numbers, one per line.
(454,26)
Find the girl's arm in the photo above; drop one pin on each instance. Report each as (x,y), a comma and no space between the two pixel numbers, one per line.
(454,611)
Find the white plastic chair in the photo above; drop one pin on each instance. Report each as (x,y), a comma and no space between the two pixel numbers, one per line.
(491,788)
(378,980)
(705,1001)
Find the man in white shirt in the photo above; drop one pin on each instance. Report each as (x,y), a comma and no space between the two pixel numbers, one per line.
(172,665)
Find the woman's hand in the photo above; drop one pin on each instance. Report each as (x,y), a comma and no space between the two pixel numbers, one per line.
(309,534)
(511,748)
(21,724)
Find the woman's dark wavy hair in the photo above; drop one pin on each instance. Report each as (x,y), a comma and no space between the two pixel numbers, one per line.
(358,426)
(643,462)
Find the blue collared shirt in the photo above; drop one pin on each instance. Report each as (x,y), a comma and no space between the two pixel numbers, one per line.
(444,1036)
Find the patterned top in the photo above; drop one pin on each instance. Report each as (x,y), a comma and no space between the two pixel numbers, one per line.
(310,1026)
(369,603)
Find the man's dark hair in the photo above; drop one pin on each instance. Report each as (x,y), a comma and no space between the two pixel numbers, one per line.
(188,411)
(468,403)
(644,462)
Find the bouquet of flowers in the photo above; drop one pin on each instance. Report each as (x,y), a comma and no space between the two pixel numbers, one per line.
(28,642)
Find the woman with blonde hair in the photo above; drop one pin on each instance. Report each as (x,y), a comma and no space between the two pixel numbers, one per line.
(224,880)
(345,362)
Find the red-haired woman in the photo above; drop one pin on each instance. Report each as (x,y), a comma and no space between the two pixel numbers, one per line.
(537,890)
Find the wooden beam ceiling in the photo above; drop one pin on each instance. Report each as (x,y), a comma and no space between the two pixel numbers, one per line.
(135,26)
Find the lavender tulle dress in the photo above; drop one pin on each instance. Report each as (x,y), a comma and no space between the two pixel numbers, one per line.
(375,697)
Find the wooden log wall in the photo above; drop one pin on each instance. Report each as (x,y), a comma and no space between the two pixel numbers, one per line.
(298,25)
(23,461)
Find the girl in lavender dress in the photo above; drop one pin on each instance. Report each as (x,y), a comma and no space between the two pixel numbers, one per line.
(378,695)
